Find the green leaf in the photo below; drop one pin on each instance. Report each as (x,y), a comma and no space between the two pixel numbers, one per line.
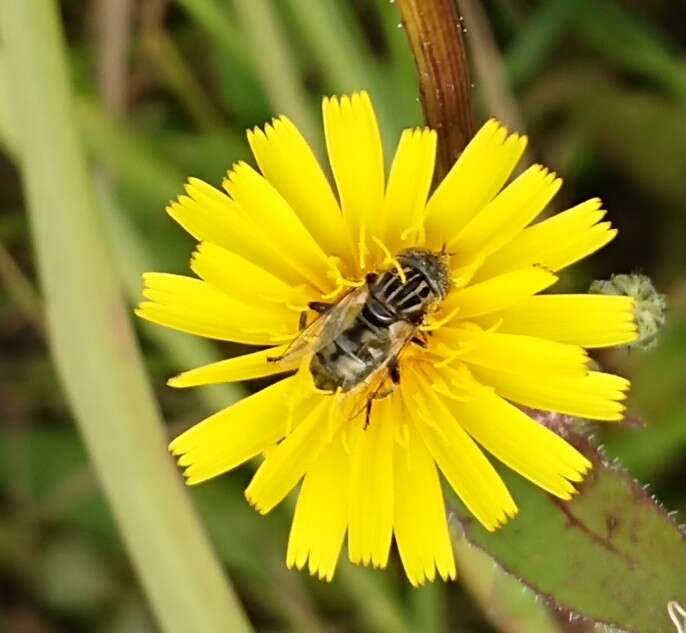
(611,555)
(659,389)
(505,602)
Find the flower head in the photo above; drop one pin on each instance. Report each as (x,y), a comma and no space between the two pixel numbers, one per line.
(408,325)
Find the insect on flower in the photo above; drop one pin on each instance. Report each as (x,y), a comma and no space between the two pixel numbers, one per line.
(407,327)
(356,345)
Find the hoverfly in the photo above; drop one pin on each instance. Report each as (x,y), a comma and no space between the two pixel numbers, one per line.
(355,344)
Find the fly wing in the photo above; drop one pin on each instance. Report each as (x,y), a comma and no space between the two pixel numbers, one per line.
(379,383)
(326,327)
(402,333)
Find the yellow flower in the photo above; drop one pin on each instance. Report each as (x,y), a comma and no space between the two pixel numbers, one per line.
(275,241)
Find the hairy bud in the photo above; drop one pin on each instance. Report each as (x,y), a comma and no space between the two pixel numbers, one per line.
(651,306)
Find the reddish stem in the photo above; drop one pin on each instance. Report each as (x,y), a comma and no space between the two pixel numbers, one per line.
(434,29)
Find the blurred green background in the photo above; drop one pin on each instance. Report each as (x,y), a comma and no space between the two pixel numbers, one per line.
(165,91)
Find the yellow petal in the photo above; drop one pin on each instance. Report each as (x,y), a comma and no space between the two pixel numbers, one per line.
(288,163)
(522,354)
(408,186)
(370,507)
(587,320)
(465,467)
(497,293)
(354,146)
(527,447)
(321,513)
(242,279)
(245,367)
(506,215)
(196,307)
(284,466)
(279,225)
(419,523)
(210,215)
(477,176)
(595,395)
(235,434)
(554,243)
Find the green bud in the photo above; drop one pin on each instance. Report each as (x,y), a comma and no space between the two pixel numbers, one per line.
(651,306)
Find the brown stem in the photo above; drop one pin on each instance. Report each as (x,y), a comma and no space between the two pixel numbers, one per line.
(114,35)
(434,29)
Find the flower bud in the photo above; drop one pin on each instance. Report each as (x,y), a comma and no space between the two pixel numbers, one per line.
(651,306)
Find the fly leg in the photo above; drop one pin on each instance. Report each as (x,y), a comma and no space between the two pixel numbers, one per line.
(302,324)
(394,371)
(316,306)
(382,390)
(368,413)
(419,342)
(319,307)
(421,339)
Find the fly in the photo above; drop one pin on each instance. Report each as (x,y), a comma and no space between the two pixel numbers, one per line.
(356,343)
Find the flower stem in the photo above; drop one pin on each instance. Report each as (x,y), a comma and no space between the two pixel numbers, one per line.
(434,29)
(92,343)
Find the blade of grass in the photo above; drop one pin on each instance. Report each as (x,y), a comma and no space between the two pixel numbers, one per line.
(20,290)
(377,606)
(237,85)
(399,69)
(428,608)
(343,57)
(92,342)
(490,71)
(628,40)
(215,20)
(132,254)
(173,70)
(535,42)
(275,63)
(8,132)
(132,258)
(114,25)
(339,49)
(127,157)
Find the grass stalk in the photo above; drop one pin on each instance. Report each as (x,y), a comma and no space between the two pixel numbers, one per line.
(275,63)
(20,290)
(92,342)
(341,50)
(489,67)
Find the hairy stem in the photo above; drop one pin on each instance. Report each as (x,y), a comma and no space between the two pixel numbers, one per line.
(434,29)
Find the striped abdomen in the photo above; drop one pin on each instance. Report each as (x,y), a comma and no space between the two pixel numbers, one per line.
(391,300)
